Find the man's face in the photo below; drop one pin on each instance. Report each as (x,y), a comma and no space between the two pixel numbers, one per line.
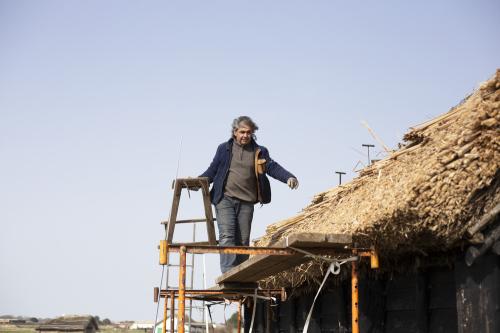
(243,135)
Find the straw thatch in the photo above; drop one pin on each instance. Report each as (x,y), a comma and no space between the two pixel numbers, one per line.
(420,198)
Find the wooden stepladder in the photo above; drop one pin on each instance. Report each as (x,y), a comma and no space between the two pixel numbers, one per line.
(191,184)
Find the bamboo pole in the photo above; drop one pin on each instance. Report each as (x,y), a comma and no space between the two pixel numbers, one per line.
(172,311)
(181,300)
(164,327)
(354,298)
(239,316)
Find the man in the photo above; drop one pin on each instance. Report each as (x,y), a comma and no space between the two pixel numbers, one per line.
(238,173)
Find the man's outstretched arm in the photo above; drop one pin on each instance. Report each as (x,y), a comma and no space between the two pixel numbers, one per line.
(275,170)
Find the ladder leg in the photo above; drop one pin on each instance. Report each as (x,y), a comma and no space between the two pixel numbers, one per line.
(173,212)
(208,215)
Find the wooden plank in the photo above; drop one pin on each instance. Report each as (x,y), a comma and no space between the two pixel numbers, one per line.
(421,303)
(251,267)
(258,267)
(401,299)
(441,285)
(312,239)
(443,320)
(303,305)
(401,321)
(477,291)
(332,306)
(287,316)
(372,297)
(272,267)
(276,265)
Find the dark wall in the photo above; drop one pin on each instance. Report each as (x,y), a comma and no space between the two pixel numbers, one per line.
(445,299)
(478,295)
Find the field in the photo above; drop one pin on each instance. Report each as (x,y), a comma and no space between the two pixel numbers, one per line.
(31,328)
(9,328)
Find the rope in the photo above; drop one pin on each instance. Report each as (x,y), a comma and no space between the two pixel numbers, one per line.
(253,310)
(225,320)
(315,256)
(334,268)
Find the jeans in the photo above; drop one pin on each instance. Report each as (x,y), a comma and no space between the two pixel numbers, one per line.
(234,219)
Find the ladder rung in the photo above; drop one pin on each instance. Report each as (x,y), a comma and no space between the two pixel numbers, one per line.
(192,244)
(192,182)
(189,221)
(180,266)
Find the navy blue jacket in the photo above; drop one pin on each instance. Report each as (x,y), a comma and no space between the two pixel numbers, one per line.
(219,168)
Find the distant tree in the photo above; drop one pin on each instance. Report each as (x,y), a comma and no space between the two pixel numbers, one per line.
(33,320)
(106,321)
(98,320)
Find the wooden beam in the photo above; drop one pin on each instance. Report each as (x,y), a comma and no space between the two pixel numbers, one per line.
(484,221)
(473,253)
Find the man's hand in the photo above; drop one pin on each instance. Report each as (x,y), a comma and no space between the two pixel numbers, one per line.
(292,183)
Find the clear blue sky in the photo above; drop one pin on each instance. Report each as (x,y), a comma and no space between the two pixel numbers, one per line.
(95,97)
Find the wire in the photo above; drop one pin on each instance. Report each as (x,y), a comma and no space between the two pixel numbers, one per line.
(163,266)
(158,303)
(178,159)
(210,313)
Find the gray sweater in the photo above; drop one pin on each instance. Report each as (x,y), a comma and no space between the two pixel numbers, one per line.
(241,181)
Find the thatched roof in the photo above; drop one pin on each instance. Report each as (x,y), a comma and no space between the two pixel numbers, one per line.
(69,324)
(423,196)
